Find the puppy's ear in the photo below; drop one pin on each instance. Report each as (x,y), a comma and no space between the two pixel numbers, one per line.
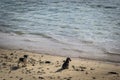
(70,60)
(25,56)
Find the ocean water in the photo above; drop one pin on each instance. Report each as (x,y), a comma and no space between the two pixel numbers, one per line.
(75,28)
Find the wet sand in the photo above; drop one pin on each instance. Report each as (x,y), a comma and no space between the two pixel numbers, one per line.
(47,67)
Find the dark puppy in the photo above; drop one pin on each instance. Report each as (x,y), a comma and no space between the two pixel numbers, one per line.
(25,56)
(66,63)
(23,60)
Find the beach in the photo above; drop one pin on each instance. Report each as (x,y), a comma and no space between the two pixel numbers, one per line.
(48,67)
(49,31)
(74,28)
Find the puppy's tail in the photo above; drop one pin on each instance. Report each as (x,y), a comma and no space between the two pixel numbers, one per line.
(59,70)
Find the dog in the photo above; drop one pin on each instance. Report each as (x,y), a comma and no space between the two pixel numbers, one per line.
(23,60)
(66,63)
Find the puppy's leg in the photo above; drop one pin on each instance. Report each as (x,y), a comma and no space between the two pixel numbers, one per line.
(18,63)
(25,62)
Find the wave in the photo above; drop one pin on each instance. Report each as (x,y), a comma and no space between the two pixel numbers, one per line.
(4,31)
(110,7)
(46,36)
(19,32)
(103,6)
(110,53)
(10,31)
(4,25)
(41,34)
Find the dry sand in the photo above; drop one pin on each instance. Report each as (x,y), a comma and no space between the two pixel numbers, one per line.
(46,67)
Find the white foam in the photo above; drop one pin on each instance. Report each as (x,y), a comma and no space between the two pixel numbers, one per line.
(43,45)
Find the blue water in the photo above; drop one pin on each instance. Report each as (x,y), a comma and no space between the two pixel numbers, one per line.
(76,28)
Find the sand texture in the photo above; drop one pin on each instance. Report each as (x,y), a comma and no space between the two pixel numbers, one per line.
(47,67)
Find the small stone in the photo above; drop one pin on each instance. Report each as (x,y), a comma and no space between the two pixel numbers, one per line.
(112,73)
(92,69)
(68,79)
(86,73)
(41,77)
(51,77)
(6,57)
(34,77)
(21,79)
(82,70)
(94,77)
(83,67)
(3,64)
(15,57)
(38,72)
(11,77)
(33,64)
(58,77)
(77,69)
(73,67)
(48,62)
(11,54)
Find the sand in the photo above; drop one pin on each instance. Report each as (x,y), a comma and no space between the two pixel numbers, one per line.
(47,67)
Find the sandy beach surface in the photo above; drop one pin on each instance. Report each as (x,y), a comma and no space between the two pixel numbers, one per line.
(47,67)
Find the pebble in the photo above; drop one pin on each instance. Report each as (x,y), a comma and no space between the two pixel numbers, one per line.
(41,77)
(92,69)
(94,77)
(47,62)
(21,79)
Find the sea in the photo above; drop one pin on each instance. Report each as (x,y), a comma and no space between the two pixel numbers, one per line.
(72,28)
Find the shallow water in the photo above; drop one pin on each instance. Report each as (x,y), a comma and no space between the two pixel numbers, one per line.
(77,28)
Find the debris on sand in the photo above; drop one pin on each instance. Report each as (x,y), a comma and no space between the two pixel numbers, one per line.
(41,77)
(47,62)
(115,73)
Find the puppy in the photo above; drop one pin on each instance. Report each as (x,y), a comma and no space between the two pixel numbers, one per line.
(25,56)
(23,60)
(66,63)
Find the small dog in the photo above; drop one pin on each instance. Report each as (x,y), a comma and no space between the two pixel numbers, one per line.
(23,60)
(66,63)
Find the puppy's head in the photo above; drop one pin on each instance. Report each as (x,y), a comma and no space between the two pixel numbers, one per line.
(68,59)
(25,56)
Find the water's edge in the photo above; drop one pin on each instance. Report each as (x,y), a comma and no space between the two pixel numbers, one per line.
(45,46)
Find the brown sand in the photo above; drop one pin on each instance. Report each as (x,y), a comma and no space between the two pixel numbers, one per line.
(46,67)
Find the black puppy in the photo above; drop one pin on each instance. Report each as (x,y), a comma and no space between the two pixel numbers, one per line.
(23,60)
(25,56)
(66,63)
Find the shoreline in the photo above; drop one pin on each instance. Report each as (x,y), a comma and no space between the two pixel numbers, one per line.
(84,58)
(40,44)
(45,67)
